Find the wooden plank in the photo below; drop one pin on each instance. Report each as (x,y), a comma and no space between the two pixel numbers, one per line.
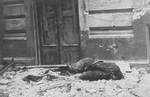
(110,19)
(15,24)
(109,4)
(35,20)
(6,68)
(44,66)
(14,9)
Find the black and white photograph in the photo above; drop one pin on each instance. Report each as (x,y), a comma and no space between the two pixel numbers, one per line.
(74,48)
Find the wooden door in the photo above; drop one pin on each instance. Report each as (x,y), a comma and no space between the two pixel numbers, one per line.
(18,38)
(59,35)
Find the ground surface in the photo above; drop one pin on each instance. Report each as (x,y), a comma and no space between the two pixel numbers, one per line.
(135,84)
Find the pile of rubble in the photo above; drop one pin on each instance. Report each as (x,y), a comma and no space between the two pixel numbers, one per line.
(39,82)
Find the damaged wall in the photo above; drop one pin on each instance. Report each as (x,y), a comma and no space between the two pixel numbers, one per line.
(110,29)
(115,29)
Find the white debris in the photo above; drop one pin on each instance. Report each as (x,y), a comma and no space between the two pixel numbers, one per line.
(138,13)
(135,84)
(124,66)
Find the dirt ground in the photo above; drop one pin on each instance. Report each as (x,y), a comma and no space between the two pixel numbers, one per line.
(135,84)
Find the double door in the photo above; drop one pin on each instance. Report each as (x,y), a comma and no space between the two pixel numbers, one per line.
(58,32)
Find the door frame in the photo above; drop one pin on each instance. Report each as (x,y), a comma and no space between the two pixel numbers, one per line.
(37,28)
(35,22)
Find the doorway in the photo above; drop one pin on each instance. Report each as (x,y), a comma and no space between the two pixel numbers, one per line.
(58,31)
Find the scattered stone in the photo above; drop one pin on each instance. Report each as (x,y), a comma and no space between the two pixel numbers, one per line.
(124,66)
(69,86)
(3,94)
(32,78)
(4,82)
(51,77)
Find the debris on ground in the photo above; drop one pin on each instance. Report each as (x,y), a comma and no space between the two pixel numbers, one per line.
(98,80)
(32,78)
(124,66)
(134,84)
(6,66)
(3,94)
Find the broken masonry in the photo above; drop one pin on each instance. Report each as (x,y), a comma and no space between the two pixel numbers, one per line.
(90,70)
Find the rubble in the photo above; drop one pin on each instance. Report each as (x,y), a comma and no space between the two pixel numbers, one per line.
(32,78)
(124,66)
(135,84)
(3,94)
(140,12)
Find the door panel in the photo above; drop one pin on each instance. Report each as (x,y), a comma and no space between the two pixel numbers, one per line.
(69,35)
(49,55)
(70,38)
(67,4)
(50,34)
(50,29)
(70,54)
